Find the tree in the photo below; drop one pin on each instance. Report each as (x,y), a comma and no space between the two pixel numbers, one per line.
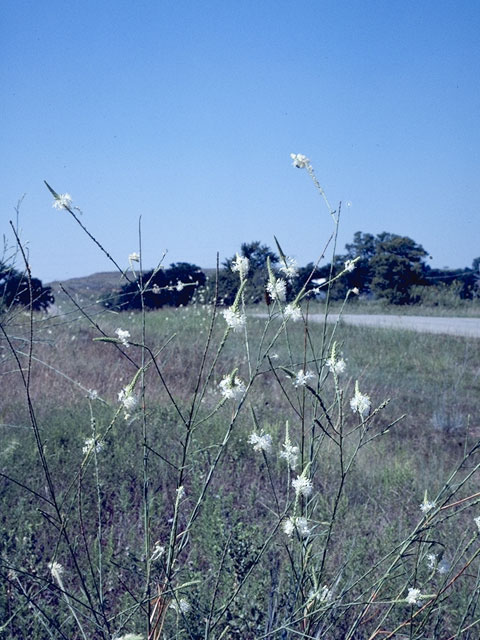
(396,266)
(174,286)
(15,289)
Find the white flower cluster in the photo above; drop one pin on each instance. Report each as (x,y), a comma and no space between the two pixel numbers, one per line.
(298,524)
(277,290)
(289,268)
(302,378)
(234,319)
(181,606)
(349,265)
(134,257)
(63,201)
(290,453)
(302,485)
(336,366)
(292,312)
(240,265)
(360,403)
(128,400)
(123,336)
(427,505)
(324,594)
(231,387)
(413,596)
(90,444)
(299,160)
(261,441)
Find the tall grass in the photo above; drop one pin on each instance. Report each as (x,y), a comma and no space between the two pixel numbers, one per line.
(216,475)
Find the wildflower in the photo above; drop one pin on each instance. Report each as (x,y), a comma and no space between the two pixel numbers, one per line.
(477,522)
(336,366)
(431,560)
(289,526)
(349,265)
(302,485)
(90,444)
(299,160)
(56,570)
(360,403)
(292,312)
(324,594)
(427,505)
(180,286)
(123,336)
(92,394)
(231,387)
(234,319)
(62,201)
(261,442)
(180,492)
(240,265)
(158,551)
(290,452)
(302,378)
(277,290)
(182,606)
(413,596)
(289,268)
(156,289)
(355,291)
(134,257)
(129,401)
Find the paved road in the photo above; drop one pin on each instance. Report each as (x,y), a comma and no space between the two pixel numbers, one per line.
(469,327)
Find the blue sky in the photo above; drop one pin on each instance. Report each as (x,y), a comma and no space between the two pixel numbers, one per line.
(185,112)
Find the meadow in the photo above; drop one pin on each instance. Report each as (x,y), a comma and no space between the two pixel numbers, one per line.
(236,571)
(202,473)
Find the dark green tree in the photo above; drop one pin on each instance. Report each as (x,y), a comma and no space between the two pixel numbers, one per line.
(396,266)
(15,289)
(174,287)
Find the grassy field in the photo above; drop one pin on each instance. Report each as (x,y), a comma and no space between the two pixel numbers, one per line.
(174,525)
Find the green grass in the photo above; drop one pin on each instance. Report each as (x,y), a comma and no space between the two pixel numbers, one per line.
(434,382)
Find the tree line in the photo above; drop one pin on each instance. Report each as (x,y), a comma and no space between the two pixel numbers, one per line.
(385,266)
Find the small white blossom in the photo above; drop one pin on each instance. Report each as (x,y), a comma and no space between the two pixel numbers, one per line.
(293,312)
(180,286)
(302,485)
(240,265)
(413,596)
(290,453)
(477,522)
(156,289)
(277,290)
(289,526)
(443,566)
(231,387)
(349,265)
(92,394)
(63,201)
(298,524)
(360,403)
(302,378)
(128,400)
(234,319)
(91,443)
(180,492)
(289,268)
(431,560)
(324,594)
(123,336)
(355,291)
(261,442)
(336,366)
(56,570)
(427,506)
(299,160)
(134,257)
(158,551)
(182,606)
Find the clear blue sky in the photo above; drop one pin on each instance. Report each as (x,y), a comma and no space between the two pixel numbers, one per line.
(185,112)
